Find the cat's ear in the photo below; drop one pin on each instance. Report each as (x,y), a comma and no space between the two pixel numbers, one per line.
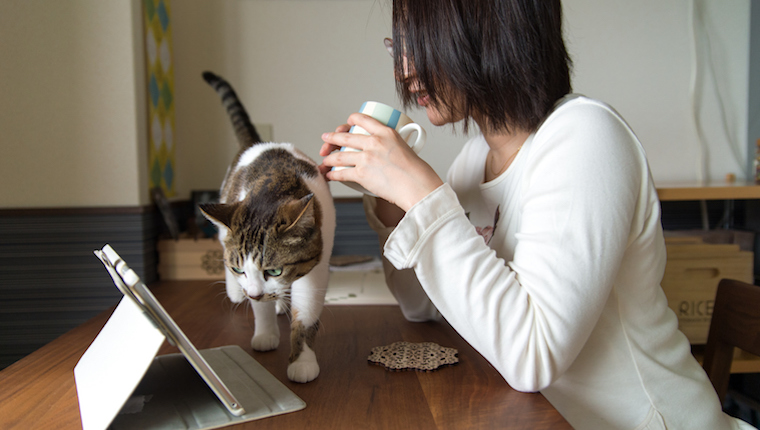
(298,213)
(218,213)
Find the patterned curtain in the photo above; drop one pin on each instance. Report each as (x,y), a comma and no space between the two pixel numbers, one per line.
(158,51)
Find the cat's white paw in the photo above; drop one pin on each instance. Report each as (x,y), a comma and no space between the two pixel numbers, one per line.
(304,369)
(303,372)
(265,342)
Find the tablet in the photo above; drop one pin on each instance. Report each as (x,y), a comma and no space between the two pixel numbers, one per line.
(131,286)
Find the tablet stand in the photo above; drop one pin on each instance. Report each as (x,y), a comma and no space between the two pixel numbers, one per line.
(122,384)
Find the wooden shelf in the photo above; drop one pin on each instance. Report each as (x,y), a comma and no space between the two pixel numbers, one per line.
(712,191)
(743,361)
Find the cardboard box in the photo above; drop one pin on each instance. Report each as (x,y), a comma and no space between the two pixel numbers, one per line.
(189,258)
(693,271)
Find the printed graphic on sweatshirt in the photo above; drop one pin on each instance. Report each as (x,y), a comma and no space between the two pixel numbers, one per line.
(487,232)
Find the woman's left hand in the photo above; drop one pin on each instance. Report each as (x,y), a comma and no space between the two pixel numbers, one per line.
(385,165)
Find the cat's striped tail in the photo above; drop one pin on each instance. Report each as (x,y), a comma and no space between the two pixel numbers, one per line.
(244,129)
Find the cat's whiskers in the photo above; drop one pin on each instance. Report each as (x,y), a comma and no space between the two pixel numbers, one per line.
(225,298)
(288,312)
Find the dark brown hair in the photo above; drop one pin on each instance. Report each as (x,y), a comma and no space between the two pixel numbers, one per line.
(503,61)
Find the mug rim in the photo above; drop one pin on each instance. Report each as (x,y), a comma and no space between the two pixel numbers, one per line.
(395,112)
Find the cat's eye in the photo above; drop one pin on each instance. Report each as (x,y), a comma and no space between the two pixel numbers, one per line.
(274,272)
(238,270)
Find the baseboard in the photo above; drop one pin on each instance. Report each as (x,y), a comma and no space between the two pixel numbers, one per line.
(50,281)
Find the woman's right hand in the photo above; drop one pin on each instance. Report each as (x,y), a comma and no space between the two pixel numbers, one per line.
(384,164)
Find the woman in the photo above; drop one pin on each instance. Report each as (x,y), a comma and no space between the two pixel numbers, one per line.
(544,248)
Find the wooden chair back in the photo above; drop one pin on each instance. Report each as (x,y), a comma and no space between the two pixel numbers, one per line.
(735,323)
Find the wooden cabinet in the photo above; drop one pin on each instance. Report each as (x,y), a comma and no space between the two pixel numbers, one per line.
(743,362)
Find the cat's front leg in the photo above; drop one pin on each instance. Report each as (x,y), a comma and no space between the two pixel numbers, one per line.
(308,298)
(303,365)
(266,332)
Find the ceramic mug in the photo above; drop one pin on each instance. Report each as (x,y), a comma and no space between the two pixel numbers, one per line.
(394,119)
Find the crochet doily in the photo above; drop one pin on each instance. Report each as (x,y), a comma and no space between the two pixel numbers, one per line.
(425,356)
(212,262)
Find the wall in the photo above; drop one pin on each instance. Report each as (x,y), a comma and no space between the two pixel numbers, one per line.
(753,108)
(304,65)
(301,66)
(638,57)
(71,104)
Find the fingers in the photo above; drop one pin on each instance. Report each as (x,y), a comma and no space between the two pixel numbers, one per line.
(342,159)
(336,175)
(368,123)
(324,170)
(341,138)
(336,140)
(338,159)
(330,161)
(345,175)
(332,143)
(327,149)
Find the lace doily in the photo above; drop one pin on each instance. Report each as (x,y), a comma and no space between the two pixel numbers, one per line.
(212,262)
(425,356)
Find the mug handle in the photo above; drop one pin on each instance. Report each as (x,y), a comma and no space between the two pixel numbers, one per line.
(408,129)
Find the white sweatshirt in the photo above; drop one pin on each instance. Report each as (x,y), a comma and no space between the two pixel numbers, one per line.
(565,297)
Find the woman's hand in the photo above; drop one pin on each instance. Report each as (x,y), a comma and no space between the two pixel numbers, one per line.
(328,148)
(386,165)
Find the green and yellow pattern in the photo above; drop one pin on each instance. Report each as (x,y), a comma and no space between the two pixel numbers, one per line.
(158,52)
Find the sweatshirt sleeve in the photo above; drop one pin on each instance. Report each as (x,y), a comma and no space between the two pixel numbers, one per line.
(530,317)
(403,284)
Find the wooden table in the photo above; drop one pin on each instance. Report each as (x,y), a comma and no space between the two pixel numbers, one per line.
(38,392)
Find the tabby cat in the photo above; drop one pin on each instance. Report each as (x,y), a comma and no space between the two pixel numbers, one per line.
(276,221)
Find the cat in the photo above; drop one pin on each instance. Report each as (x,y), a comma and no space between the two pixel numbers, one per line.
(276,221)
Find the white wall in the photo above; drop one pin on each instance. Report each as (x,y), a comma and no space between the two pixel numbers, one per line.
(304,65)
(71,90)
(72,103)
(637,56)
